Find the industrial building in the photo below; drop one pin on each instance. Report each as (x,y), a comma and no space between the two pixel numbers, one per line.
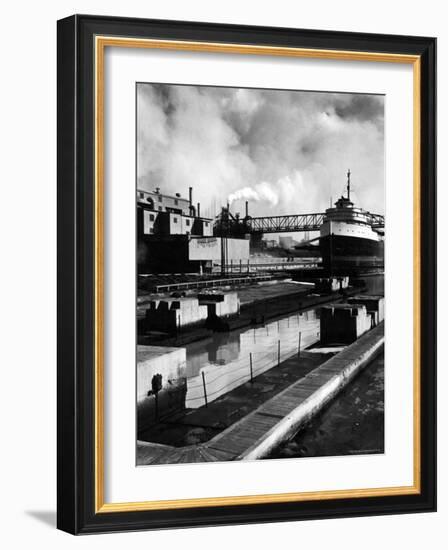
(173,237)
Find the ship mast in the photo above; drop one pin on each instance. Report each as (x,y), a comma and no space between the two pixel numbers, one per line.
(348,184)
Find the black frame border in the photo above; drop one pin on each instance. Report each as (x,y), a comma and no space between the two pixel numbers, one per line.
(76,261)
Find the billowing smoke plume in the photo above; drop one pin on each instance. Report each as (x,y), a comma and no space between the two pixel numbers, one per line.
(269,192)
(283,151)
(261,191)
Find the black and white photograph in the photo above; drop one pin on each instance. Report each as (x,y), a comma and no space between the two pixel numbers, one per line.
(260,266)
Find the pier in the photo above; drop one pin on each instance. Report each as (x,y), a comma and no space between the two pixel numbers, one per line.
(258,433)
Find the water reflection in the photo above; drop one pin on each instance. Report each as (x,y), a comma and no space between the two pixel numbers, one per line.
(229,360)
(220,349)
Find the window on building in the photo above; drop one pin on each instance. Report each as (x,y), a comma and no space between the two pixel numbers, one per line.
(175,220)
(176,202)
(160,198)
(206,224)
(187,222)
(151,217)
(141,195)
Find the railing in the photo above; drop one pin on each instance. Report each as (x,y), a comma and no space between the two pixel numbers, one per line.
(254,266)
(377,221)
(214,381)
(206,283)
(284,266)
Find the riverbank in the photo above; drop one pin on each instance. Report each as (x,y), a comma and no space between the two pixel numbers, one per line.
(262,430)
(259,303)
(199,425)
(351,424)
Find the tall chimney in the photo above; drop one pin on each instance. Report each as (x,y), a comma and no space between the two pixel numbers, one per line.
(199,209)
(190,191)
(247,209)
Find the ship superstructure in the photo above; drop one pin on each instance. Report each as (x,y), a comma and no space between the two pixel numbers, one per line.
(347,236)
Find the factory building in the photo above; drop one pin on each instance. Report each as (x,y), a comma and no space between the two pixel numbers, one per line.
(173,237)
(161,214)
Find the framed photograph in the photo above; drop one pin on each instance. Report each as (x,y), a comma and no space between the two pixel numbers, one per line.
(246,274)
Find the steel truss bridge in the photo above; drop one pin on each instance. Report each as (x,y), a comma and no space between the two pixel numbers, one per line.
(285,224)
(295,223)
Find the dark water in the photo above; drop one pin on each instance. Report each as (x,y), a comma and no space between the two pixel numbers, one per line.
(374,284)
(354,422)
(223,361)
(351,424)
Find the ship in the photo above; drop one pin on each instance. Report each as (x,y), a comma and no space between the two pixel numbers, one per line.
(350,238)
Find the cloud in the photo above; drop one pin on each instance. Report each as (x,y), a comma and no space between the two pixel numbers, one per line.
(284,151)
(361,107)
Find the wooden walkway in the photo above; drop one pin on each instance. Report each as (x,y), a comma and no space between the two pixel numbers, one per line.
(255,435)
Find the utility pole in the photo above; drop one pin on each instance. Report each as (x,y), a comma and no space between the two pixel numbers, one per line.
(348,184)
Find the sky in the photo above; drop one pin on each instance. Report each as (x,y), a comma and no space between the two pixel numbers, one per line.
(287,152)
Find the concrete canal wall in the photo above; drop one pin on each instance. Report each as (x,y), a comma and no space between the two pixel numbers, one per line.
(173,314)
(170,363)
(373,303)
(325,383)
(170,314)
(260,432)
(343,323)
(331,284)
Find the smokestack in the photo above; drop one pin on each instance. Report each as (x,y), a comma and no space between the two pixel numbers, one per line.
(247,209)
(199,209)
(190,191)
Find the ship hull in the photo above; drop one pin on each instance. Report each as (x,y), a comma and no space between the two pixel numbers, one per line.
(344,252)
